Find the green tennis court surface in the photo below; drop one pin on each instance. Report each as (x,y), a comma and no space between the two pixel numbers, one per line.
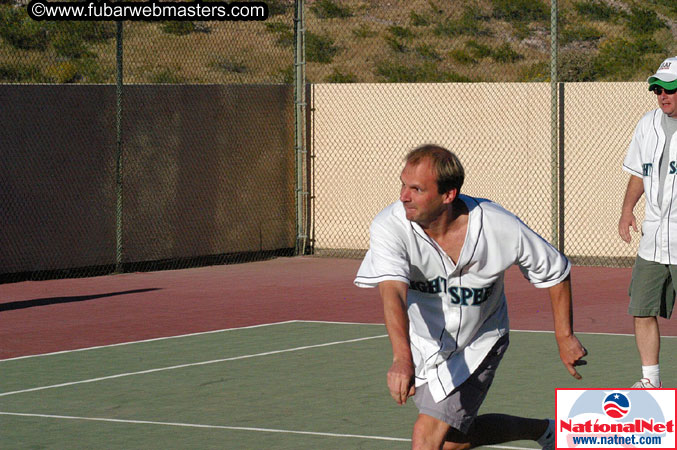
(292,385)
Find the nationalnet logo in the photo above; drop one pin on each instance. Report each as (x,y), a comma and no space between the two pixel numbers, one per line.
(615,418)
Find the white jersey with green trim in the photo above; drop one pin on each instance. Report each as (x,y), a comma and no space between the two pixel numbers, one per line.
(643,159)
(457,311)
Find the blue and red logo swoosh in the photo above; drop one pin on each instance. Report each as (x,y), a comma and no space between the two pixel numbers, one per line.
(616,405)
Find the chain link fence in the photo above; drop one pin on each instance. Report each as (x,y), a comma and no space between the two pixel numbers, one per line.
(206,167)
(210,135)
(476,77)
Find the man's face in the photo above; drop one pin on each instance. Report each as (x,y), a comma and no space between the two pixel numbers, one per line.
(668,103)
(422,203)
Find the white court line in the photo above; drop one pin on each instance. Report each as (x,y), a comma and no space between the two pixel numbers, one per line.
(511,330)
(339,323)
(201,363)
(194,425)
(266,325)
(582,332)
(224,427)
(149,340)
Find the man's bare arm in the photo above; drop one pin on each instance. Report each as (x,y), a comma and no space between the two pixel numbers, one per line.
(571,351)
(401,373)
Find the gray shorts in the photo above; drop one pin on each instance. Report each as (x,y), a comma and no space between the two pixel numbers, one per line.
(652,289)
(460,408)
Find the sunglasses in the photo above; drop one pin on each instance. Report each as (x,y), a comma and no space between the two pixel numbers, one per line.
(659,90)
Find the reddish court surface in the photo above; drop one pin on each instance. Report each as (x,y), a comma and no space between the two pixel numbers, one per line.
(48,316)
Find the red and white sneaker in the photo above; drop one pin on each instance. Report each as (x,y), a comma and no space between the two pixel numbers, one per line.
(644,383)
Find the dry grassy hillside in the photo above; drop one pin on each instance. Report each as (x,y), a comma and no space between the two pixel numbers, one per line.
(354,41)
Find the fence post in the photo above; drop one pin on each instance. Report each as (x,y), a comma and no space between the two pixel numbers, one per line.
(300,126)
(554,141)
(118,152)
(560,174)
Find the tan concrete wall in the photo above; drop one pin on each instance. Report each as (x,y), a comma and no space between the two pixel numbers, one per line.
(501,132)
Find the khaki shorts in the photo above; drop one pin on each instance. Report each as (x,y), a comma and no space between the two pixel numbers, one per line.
(652,289)
(460,408)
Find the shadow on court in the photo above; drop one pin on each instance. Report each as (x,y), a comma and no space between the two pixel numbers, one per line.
(58,300)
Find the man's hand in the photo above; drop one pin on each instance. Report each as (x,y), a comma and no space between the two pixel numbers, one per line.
(633,193)
(401,381)
(571,352)
(627,220)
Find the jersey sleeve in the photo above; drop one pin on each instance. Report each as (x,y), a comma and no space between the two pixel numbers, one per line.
(386,258)
(541,263)
(633,158)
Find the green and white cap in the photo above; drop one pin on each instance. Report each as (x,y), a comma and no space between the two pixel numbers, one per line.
(666,75)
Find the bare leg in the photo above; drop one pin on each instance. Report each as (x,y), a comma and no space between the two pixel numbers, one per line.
(648,340)
(429,433)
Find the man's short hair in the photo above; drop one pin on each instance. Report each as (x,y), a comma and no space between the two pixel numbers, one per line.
(447,166)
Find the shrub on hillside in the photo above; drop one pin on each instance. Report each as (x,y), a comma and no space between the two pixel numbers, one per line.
(577,66)
(341,77)
(395,72)
(478,50)
(521,10)
(328,9)
(470,24)
(644,21)
(178,27)
(596,10)
(620,59)
(462,56)
(227,65)
(671,5)
(428,52)
(579,33)
(536,72)
(285,34)
(320,48)
(506,54)
(21,73)
(20,31)
(276,7)
(418,20)
(364,31)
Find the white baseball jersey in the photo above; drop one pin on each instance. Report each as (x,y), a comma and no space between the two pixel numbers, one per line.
(659,229)
(457,312)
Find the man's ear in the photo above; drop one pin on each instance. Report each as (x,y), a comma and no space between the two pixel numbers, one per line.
(450,196)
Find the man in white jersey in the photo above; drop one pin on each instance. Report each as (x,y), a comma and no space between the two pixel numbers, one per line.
(438,259)
(652,163)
